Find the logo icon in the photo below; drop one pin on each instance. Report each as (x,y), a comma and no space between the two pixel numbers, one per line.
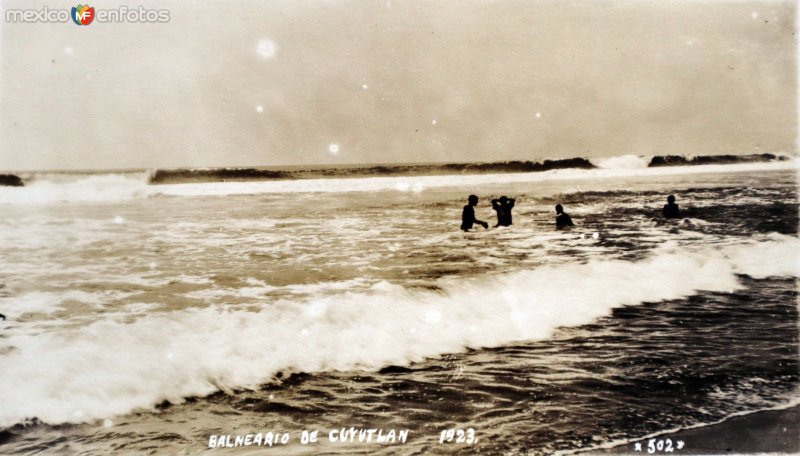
(82,14)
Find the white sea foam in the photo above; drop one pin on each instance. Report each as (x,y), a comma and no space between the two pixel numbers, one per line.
(621,162)
(112,367)
(50,301)
(120,187)
(94,188)
(255,289)
(419,183)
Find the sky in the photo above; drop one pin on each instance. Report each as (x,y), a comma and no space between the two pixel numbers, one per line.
(274,83)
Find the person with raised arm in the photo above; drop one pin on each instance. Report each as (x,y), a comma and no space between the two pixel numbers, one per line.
(503,208)
(468,215)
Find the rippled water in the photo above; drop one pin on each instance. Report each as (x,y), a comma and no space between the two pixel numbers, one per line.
(152,323)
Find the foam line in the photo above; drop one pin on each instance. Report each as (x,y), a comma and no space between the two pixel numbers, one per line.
(112,367)
(107,188)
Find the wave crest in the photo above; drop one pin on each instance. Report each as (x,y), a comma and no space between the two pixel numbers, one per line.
(43,188)
(196,352)
(200,175)
(57,188)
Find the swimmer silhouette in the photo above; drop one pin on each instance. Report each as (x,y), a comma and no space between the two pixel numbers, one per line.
(503,208)
(671,209)
(468,216)
(2,316)
(562,218)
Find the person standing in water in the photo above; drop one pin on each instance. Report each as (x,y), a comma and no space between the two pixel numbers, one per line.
(562,218)
(468,215)
(503,208)
(671,208)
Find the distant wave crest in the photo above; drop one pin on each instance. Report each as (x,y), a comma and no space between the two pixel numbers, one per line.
(197,175)
(49,188)
(681,160)
(10,180)
(57,187)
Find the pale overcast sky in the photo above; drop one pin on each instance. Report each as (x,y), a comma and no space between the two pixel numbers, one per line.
(238,83)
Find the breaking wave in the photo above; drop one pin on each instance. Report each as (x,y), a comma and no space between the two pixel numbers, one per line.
(115,366)
(199,175)
(171,176)
(681,160)
(49,188)
(622,162)
(57,188)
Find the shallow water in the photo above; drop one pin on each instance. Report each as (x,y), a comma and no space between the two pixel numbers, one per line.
(158,320)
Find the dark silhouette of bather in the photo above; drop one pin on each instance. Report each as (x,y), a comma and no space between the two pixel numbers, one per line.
(468,216)
(671,209)
(503,208)
(562,218)
(2,316)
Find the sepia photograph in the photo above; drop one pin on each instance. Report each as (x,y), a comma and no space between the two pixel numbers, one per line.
(399,227)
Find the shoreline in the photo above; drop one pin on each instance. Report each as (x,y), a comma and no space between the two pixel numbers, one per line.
(768,431)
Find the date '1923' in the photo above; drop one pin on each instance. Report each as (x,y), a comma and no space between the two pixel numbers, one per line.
(465,436)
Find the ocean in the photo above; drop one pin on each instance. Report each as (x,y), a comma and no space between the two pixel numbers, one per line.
(161,319)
